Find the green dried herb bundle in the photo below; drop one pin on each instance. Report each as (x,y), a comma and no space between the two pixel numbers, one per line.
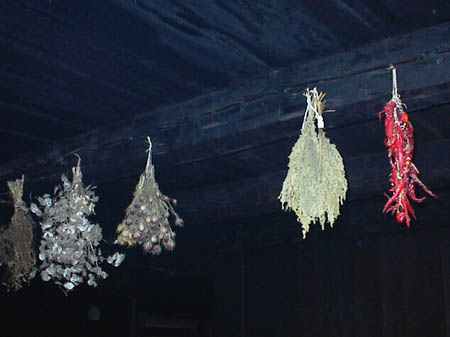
(146,221)
(16,242)
(315,185)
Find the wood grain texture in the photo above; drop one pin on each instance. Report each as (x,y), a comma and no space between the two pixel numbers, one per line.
(264,109)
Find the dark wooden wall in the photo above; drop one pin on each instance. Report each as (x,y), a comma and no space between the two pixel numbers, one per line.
(390,285)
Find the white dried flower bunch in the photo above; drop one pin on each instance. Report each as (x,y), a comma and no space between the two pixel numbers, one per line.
(146,221)
(69,248)
(315,185)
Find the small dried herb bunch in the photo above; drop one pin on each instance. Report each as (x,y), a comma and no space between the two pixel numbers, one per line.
(146,221)
(315,185)
(16,242)
(69,249)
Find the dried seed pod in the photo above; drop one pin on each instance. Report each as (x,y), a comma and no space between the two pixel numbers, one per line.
(155,209)
(69,247)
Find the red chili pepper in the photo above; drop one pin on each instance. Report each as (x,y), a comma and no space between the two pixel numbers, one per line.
(400,143)
(400,217)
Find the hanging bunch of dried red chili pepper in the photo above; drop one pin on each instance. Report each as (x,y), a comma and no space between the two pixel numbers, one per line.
(400,143)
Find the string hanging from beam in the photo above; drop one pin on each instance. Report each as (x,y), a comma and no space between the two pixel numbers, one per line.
(315,185)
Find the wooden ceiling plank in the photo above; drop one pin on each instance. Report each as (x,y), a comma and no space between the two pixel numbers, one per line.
(39,113)
(179,135)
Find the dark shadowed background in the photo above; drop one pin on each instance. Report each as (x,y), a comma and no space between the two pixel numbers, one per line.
(218,86)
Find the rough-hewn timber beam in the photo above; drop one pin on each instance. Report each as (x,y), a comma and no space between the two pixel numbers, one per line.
(226,121)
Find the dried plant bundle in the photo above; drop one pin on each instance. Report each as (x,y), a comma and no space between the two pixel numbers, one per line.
(400,143)
(315,185)
(69,249)
(16,242)
(146,221)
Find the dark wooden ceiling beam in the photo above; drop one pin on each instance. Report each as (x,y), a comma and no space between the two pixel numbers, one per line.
(67,75)
(140,51)
(72,57)
(38,114)
(235,119)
